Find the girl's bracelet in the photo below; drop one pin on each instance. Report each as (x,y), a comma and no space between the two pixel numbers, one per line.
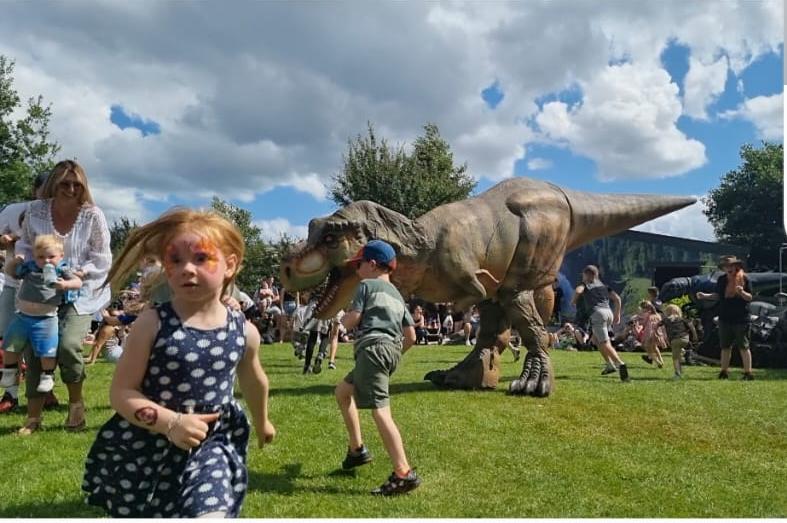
(171,424)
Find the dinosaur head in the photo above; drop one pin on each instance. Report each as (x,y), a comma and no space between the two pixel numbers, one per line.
(319,264)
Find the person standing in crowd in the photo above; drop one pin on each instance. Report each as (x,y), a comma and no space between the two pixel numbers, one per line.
(596,298)
(11,218)
(68,212)
(733,290)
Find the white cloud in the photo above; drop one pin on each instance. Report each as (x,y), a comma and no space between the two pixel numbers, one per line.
(703,85)
(765,112)
(627,124)
(273,229)
(537,164)
(688,222)
(266,94)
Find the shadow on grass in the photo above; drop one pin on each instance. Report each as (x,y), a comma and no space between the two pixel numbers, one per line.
(73,508)
(306,390)
(285,482)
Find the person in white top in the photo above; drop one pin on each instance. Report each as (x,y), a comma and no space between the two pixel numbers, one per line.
(68,212)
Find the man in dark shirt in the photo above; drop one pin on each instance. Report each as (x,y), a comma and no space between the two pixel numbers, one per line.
(596,297)
(733,291)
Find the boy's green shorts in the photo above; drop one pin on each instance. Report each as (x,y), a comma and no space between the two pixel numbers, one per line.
(374,364)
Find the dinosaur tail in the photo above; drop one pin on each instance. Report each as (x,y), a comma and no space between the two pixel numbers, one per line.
(595,216)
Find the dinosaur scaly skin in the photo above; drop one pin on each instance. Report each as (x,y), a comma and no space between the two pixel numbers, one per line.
(501,250)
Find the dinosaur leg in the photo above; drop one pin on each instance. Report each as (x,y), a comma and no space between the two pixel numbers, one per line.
(481,367)
(537,378)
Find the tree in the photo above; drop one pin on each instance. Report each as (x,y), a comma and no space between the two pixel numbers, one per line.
(746,209)
(25,147)
(119,232)
(262,258)
(409,184)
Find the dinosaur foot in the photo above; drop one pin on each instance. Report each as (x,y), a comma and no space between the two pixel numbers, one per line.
(437,377)
(479,370)
(536,377)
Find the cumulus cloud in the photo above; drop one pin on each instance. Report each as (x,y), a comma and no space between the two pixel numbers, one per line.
(765,112)
(267,93)
(626,122)
(703,85)
(688,222)
(272,230)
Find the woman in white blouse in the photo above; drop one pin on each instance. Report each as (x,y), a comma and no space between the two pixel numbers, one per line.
(67,211)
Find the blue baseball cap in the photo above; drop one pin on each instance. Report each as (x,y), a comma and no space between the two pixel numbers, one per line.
(378,251)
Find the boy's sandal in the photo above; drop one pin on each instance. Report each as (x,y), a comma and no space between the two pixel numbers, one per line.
(31,425)
(76,417)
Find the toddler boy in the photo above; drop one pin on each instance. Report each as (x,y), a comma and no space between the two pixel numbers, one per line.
(44,279)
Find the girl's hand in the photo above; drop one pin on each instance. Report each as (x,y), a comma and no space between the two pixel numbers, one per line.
(191,430)
(701,295)
(267,433)
(739,290)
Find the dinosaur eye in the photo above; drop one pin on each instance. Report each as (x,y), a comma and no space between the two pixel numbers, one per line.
(330,239)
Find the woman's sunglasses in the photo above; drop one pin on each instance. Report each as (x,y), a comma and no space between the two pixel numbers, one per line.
(70,185)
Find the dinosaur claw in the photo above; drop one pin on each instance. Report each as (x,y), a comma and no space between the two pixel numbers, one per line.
(543,389)
(517,387)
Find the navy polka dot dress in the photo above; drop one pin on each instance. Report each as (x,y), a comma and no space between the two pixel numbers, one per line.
(133,472)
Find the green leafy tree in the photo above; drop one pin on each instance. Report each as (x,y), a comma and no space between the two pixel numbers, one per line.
(262,258)
(746,209)
(410,184)
(25,146)
(119,232)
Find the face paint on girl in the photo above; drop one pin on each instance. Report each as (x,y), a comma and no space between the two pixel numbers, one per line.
(194,265)
(207,252)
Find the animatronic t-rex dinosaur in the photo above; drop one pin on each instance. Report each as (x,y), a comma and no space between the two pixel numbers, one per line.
(501,250)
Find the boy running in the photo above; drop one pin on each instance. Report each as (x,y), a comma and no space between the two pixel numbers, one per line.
(385,331)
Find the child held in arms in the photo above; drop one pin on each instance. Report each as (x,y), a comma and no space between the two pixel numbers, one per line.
(385,331)
(44,279)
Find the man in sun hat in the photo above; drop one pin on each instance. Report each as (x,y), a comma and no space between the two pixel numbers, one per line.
(729,259)
(385,331)
(733,290)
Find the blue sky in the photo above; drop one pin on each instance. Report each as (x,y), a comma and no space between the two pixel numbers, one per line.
(180,102)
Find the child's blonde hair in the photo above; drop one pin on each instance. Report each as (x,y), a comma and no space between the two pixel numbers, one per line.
(44,242)
(153,238)
(673,310)
(645,304)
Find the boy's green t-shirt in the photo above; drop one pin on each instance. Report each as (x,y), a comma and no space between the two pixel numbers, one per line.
(383,311)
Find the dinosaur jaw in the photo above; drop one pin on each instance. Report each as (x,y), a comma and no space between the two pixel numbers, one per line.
(311,270)
(336,292)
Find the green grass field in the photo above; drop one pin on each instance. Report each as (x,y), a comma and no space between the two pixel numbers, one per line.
(596,448)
